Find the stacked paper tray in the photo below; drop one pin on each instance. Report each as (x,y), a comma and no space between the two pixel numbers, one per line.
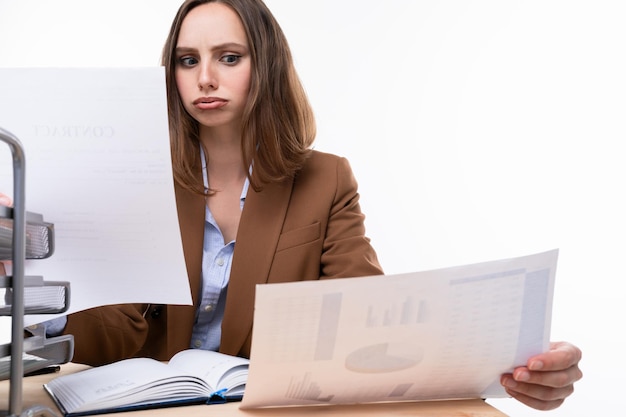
(39,235)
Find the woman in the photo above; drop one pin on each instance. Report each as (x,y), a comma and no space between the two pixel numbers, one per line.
(255,203)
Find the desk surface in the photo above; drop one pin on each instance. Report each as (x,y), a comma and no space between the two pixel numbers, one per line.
(34,394)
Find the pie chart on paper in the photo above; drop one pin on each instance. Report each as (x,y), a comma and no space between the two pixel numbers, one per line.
(384,357)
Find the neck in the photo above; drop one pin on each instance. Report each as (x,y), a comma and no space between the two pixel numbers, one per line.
(224,160)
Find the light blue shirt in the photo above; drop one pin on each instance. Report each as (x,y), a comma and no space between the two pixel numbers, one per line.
(217,259)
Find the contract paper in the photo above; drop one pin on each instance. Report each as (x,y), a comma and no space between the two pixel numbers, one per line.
(98,167)
(441,334)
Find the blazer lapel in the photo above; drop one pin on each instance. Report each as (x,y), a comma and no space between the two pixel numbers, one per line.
(259,230)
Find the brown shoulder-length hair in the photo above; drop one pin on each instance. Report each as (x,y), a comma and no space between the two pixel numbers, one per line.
(278,126)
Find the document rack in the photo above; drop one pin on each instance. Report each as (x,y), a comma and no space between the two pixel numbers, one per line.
(39,235)
(25,235)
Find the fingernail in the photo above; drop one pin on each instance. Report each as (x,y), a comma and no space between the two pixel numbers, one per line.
(522,376)
(509,383)
(535,365)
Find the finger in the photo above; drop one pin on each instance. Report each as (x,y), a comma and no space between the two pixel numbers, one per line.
(538,404)
(538,392)
(5,200)
(562,355)
(548,386)
(554,379)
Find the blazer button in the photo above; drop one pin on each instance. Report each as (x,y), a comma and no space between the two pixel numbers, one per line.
(156,312)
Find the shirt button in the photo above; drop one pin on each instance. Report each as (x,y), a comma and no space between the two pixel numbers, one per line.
(208,307)
(156,311)
(197,343)
(220,261)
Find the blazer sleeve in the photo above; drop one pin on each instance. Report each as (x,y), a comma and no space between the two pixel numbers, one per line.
(347,251)
(107,334)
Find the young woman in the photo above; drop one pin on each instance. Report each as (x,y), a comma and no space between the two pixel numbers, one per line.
(255,203)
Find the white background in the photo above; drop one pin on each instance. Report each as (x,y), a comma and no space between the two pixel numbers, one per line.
(477,130)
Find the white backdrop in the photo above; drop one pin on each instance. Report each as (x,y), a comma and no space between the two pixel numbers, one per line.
(477,130)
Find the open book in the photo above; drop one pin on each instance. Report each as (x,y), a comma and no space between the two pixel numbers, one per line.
(191,377)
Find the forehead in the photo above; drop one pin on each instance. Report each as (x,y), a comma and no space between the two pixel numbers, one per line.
(211,24)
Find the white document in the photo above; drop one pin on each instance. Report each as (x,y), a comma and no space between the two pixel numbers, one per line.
(442,334)
(98,167)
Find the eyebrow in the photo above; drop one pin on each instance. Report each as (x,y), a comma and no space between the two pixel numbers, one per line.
(220,47)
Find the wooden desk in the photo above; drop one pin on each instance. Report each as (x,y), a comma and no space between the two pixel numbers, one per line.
(34,394)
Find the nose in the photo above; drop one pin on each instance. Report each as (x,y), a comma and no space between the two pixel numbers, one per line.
(207,79)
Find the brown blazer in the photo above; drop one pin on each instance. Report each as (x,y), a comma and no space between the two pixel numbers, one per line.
(306,229)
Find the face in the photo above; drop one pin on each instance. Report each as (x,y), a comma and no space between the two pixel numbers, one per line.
(213,66)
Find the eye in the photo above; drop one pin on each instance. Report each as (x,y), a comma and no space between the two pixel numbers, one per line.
(187,61)
(230,59)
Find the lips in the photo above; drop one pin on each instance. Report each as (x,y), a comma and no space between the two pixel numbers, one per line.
(209,103)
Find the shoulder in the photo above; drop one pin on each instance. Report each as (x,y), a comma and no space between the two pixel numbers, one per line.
(326,172)
(325,164)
